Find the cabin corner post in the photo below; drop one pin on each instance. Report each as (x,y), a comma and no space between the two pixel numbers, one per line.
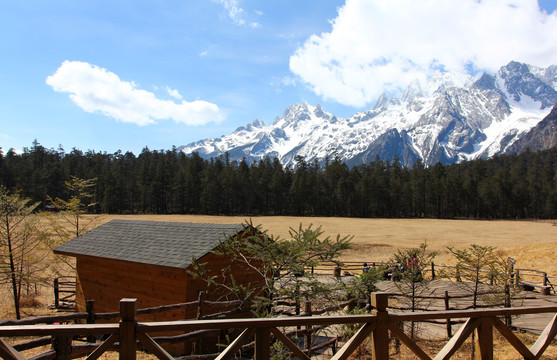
(380,335)
(127,333)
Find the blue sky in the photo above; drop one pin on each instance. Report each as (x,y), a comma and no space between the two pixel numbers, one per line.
(122,75)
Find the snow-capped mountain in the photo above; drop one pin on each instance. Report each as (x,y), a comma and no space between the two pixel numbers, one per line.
(448,119)
(542,136)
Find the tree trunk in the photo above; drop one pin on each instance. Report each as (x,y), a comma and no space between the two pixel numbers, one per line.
(12,270)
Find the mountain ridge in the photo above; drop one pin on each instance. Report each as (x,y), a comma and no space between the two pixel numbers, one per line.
(448,119)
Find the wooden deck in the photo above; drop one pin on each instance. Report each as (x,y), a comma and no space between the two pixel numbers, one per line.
(379,323)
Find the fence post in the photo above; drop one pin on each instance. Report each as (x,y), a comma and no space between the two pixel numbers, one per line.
(545,290)
(449,323)
(432,270)
(56,294)
(380,339)
(90,308)
(297,298)
(484,340)
(262,344)
(128,347)
(308,328)
(63,347)
(508,319)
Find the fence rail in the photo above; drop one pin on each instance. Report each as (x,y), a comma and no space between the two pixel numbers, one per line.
(125,336)
(518,276)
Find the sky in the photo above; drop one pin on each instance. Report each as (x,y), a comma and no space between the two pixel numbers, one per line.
(111,75)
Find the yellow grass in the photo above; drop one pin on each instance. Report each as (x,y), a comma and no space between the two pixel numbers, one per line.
(532,243)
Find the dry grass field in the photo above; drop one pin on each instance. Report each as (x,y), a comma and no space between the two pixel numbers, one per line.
(532,243)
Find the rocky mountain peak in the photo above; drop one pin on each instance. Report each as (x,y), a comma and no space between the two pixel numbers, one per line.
(448,119)
(519,81)
(543,136)
(414,90)
(255,124)
(486,82)
(297,112)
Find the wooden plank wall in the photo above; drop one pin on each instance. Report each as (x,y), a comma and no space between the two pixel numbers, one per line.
(107,281)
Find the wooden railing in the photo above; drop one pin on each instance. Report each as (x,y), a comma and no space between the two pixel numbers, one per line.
(125,336)
(205,309)
(528,278)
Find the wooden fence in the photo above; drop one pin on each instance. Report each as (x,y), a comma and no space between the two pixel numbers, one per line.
(284,307)
(129,335)
(64,292)
(529,279)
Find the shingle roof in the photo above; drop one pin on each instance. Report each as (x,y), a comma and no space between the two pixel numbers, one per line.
(150,242)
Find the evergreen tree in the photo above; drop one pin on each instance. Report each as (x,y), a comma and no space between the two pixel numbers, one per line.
(410,279)
(282,264)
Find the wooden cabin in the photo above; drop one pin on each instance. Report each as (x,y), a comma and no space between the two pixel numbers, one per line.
(149,260)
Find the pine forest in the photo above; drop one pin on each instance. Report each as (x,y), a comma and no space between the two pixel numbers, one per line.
(520,186)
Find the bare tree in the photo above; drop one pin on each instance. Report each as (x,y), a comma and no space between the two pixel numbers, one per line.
(22,263)
(68,221)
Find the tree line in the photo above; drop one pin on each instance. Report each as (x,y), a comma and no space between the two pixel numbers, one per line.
(166,181)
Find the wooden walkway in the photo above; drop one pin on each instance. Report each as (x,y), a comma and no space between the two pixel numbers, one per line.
(534,323)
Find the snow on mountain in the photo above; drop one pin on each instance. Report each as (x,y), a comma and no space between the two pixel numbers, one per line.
(448,119)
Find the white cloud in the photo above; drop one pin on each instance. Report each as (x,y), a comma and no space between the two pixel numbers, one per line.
(236,13)
(378,45)
(288,81)
(95,89)
(174,93)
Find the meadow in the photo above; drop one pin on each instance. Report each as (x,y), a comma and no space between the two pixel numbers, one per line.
(533,244)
